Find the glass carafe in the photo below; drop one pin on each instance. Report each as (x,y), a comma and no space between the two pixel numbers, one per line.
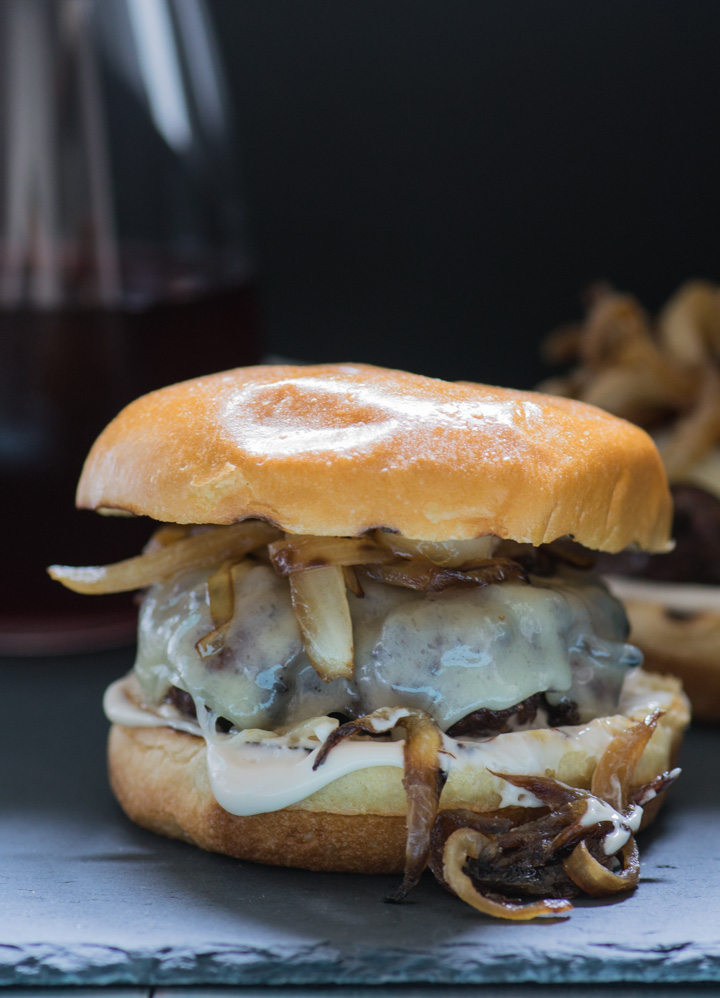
(124,266)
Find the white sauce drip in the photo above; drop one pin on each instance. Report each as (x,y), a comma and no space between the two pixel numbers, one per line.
(623,825)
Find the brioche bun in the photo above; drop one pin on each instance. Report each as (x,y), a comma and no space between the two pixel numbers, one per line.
(358,822)
(340,449)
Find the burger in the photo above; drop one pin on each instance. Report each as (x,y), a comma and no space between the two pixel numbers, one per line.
(664,375)
(366,639)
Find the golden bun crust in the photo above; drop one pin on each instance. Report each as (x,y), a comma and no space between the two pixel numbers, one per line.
(686,645)
(340,449)
(357,823)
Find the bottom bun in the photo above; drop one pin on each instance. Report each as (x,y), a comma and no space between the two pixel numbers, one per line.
(159,776)
(684,644)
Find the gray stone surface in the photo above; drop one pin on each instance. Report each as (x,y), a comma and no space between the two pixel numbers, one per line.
(88,899)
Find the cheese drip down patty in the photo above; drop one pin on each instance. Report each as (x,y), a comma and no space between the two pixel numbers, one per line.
(448,653)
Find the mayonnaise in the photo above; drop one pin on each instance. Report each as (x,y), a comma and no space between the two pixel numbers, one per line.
(252,772)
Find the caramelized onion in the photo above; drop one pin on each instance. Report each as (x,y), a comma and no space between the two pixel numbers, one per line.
(570,553)
(576,804)
(561,850)
(297,554)
(689,324)
(617,764)
(319,600)
(551,792)
(423,781)
(422,574)
(168,533)
(697,432)
(221,594)
(571,803)
(454,554)
(467,843)
(396,560)
(664,373)
(352,581)
(597,880)
(214,641)
(221,587)
(198,551)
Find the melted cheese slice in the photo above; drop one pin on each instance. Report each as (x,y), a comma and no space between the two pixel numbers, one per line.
(446,653)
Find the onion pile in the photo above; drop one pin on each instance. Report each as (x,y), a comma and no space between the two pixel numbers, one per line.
(661,372)
(492,862)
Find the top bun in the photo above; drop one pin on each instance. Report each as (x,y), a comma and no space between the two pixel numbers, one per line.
(339,449)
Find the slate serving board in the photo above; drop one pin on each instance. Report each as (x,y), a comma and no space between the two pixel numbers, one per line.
(88,899)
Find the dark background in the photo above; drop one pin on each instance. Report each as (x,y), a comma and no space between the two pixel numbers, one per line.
(432,183)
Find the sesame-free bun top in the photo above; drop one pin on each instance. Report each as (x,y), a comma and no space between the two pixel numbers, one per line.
(339,449)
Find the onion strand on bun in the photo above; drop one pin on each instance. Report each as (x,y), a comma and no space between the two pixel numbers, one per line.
(365,641)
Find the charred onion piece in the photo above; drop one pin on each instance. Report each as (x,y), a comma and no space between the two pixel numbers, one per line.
(297,554)
(597,880)
(198,551)
(422,574)
(319,600)
(468,843)
(423,780)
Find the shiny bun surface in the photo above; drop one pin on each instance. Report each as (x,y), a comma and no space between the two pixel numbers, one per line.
(340,449)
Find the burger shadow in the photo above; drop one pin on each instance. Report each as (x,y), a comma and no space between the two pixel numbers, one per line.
(243,899)
(350,909)
(344,911)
